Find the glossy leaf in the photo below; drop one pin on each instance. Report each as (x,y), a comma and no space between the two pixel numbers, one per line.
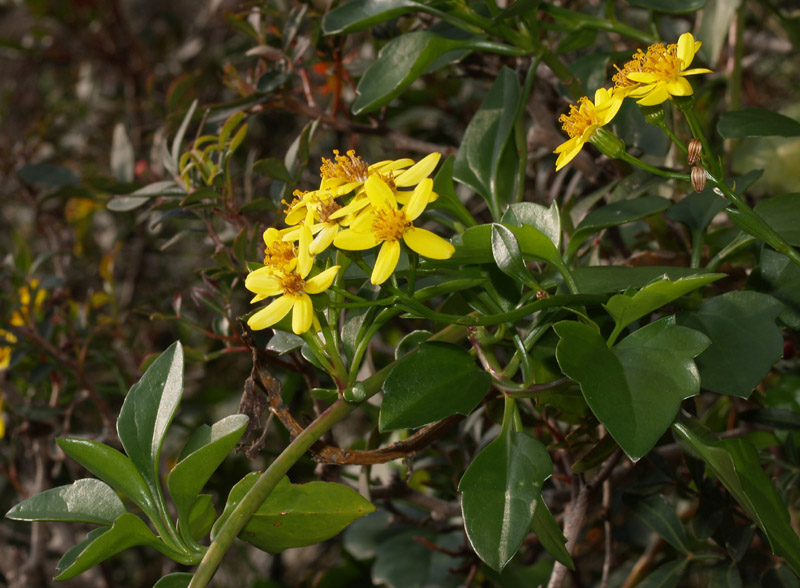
(546,220)
(174,580)
(479,158)
(204,452)
(499,492)
(402,61)
(358,15)
(508,256)
(779,277)
(148,410)
(83,501)
(782,213)
(111,466)
(625,309)
(475,245)
(127,531)
(698,209)
(736,464)
(437,381)
(745,341)
(600,279)
(756,122)
(636,388)
(401,561)
(297,515)
(549,534)
(201,517)
(273,168)
(660,516)
(670,6)
(614,214)
(667,575)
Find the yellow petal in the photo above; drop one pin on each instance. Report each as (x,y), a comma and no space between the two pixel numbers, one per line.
(304,258)
(642,77)
(428,244)
(418,171)
(324,238)
(567,151)
(302,313)
(386,262)
(363,222)
(322,281)
(656,94)
(358,203)
(686,49)
(271,235)
(264,283)
(389,165)
(271,314)
(695,71)
(351,240)
(379,194)
(680,87)
(419,199)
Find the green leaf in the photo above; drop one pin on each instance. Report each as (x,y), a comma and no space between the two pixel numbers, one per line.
(148,410)
(83,501)
(205,451)
(636,388)
(546,220)
(736,464)
(655,512)
(508,256)
(297,515)
(698,209)
(174,580)
(201,517)
(782,213)
(402,61)
(273,168)
(475,245)
(437,381)
(358,15)
(667,575)
(725,577)
(46,176)
(549,534)
(128,530)
(479,157)
(144,195)
(448,199)
(401,561)
(745,341)
(600,279)
(714,26)
(114,468)
(612,215)
(779,277)
(669,6)
(499,492)
(756,122)
(625,309)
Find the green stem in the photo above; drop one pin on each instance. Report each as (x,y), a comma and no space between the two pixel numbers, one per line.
(698,240)
(686,105)
(584,21)
(673,137)
(627,157)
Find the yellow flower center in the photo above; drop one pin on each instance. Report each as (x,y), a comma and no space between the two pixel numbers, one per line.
(389,224)
(660,60)
(279,254)
(292,284)
(579,119)
(350,167)
(326,209)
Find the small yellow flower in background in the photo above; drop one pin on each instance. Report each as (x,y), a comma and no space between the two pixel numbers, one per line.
(28,308)
(583,120)
(385,225)
(7,340)
(655,76)
(2,419)
(292,290)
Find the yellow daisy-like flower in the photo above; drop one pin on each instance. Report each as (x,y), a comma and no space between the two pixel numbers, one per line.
(319,211)
(653,77)
(292,290)
(583,120)
(385,224)
(278,253)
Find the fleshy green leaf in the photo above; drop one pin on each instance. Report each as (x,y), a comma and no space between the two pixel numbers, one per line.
(401,561)
(148,410)
(174,580)
(402,61)
(779,277)
(437,381)
(698,209)
(606,278)
(549,534)
(756,122)
(670,6)
(205,451)
(499,492)
(782,213)
(656,513)
(625,309)
(667,575)
(114,468)
(508,256)
(479,158)
(358,15)
(636,388)
(736,464)
(745,341)
(83,501)
(297,515)
(546,220)
(201,517)
(128,530)
(273,168)
(475,245)
(614,214)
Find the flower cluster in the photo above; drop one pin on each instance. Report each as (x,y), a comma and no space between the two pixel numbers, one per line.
(649,77)
(356,207)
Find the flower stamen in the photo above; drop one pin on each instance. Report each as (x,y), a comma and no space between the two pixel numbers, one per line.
(389,224)
(349,167)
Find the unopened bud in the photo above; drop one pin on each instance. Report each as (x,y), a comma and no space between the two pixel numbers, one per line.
(608,143)
(695,147)
(654,115)
(698,178)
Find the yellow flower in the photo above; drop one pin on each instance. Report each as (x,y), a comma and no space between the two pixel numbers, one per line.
(292,290)
(659,74)
(318,210)
(7,339)
(383,223)
(27,308)
(583,120)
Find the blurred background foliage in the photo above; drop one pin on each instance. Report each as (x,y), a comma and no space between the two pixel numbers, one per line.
(96,277)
